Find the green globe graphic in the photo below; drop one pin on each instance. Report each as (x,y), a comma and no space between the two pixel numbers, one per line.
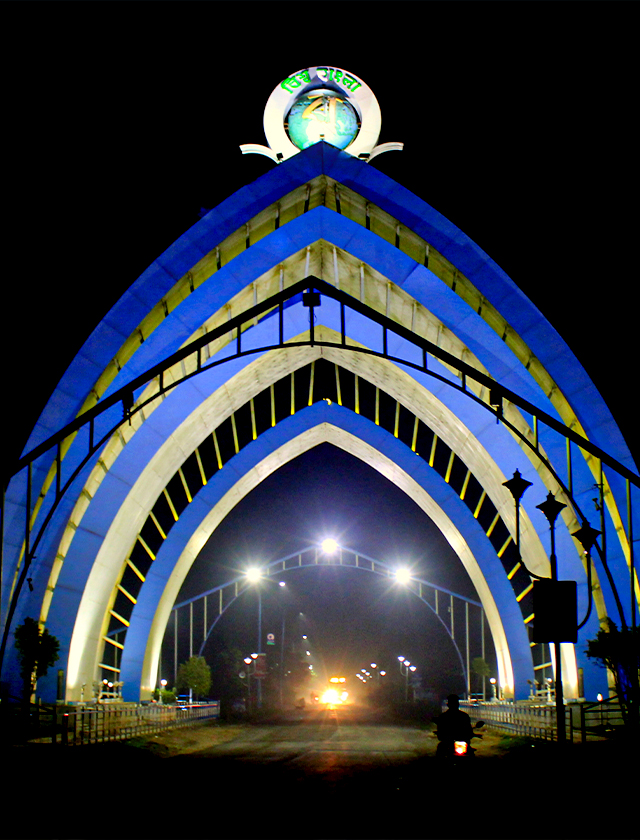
(322,115)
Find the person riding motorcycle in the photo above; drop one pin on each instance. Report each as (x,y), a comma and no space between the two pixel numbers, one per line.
(453,725)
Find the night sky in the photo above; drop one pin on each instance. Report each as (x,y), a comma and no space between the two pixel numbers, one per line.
(516,120)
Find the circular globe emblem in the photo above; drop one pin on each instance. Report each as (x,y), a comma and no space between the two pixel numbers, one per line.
(322,115)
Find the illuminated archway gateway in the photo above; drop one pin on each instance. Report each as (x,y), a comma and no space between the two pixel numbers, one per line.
(106,557)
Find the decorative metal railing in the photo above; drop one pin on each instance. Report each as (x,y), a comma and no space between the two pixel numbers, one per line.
(583,721)
(92,726)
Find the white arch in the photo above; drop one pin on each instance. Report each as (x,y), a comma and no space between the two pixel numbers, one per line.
(325,433)
(86,643)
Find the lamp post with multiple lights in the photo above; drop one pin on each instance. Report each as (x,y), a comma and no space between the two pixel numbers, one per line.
(404,663)
(254,574)
(551,507)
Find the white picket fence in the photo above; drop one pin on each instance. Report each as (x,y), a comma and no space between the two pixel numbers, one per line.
(119,722)
(582,720)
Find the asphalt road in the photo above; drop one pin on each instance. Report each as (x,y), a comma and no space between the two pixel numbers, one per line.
(321,774)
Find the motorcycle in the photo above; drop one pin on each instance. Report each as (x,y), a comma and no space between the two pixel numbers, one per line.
(456,751)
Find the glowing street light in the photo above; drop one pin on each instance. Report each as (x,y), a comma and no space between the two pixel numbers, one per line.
(329,546)
(403,575)
(407,667)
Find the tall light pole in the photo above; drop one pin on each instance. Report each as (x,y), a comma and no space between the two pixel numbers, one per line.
(247,662)
(254,575)
(517,485)
(282,585)
(407,667)
(551,508)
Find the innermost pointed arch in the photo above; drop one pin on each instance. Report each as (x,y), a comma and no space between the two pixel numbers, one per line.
(328,492)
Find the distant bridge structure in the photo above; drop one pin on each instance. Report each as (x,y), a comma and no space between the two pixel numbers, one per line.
(442,602)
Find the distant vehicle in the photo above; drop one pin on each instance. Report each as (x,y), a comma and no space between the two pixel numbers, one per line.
(335,694)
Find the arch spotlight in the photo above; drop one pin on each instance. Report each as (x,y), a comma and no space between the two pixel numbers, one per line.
(254,574)
(329,546)
(403,575)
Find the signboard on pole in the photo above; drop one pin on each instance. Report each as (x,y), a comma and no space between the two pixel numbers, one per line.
(271,639)
(555,608)
(260,665)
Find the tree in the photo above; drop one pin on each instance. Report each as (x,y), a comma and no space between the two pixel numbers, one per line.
(229,686)
(194,674)
(167,695)
(480,668)
(37,651)
(619,651)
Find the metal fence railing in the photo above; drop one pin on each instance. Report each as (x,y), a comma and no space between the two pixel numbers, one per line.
(534,721)
(583,721)
(90,726)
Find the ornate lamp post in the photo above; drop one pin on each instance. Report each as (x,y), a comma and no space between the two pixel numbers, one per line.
(517,485)
(551,508)
(587,537)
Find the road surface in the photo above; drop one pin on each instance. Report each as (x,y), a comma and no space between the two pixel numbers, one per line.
(322,774)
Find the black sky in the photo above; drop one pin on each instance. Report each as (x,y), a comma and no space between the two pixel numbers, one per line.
(123,121)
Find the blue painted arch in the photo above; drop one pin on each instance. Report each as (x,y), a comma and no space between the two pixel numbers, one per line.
(145,612)
(82,558)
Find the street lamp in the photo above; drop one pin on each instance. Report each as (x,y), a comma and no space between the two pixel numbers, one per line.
(587,536)
(403,575)
(254,574)
(407,667)
(517,485)
(551,507)
(247,661)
